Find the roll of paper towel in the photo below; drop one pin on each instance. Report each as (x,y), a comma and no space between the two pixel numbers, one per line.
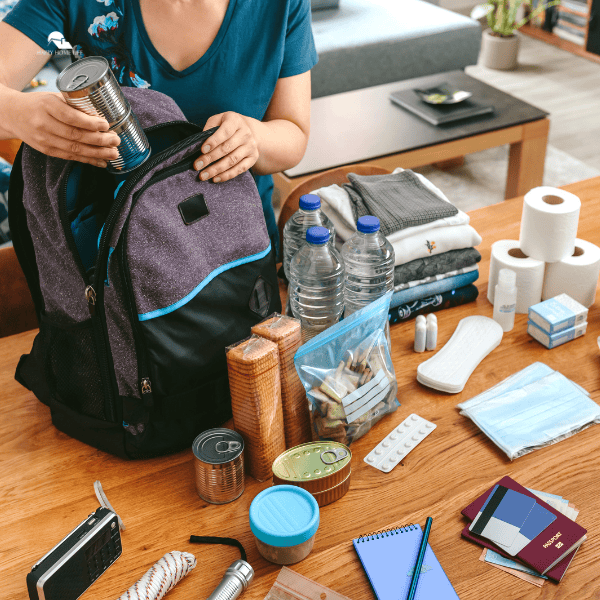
(506,254)
(576,275)
(549,224)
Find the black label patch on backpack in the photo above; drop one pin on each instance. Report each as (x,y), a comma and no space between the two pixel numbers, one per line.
(193,209)
(260,298)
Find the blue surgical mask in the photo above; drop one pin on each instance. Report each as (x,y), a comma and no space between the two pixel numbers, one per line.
(532,409)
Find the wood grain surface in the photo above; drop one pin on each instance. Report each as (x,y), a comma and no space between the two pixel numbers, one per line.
(46,478)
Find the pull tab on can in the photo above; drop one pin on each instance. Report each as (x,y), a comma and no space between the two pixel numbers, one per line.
(333,455)
(223,447)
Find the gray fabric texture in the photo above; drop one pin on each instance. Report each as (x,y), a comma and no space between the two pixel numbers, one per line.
(62,286)
(169,259)
(398,200)
(120,334)
(435,265)
(371,42)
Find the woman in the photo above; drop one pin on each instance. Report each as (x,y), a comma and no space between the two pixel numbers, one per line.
(240,65)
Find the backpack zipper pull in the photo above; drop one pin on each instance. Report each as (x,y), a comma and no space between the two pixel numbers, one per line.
(146,386)
(146,391)
(90,296)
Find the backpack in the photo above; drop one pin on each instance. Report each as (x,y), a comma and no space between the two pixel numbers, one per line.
(140,287)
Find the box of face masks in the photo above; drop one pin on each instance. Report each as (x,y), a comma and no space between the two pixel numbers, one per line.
(557,314)
(555,339)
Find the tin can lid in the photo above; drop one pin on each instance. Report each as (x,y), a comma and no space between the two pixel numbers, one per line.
(218,446)
(83,73)
(311,461)
(284,516)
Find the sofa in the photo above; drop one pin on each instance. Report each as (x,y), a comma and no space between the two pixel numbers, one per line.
(362,43)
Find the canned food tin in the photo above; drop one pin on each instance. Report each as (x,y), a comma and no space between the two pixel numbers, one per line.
(134,148)
(90,86)
(321,468)
(219,465)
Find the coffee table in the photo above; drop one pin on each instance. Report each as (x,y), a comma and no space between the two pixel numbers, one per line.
(364,126)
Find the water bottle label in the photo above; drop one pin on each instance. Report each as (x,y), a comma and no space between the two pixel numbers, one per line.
(507,308)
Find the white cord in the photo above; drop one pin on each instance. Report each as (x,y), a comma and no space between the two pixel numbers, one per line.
(104,502)
(162,577)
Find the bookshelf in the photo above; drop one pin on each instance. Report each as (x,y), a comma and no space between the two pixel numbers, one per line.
(591,47)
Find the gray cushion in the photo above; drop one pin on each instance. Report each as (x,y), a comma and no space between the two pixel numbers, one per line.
(323,4)
(371,42)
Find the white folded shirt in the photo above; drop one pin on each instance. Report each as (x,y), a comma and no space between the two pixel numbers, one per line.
(443,235)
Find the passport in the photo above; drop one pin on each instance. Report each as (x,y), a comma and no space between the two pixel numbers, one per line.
(551,549)
(502,516)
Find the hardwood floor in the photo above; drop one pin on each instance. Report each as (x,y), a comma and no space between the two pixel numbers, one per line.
(565,85)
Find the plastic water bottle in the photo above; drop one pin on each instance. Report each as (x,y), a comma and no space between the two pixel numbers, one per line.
(317,283)
(294,232)
(369,262)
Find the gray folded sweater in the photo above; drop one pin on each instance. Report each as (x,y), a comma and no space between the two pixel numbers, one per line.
(398,200)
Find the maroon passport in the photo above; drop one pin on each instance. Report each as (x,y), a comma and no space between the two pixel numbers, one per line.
(546,548)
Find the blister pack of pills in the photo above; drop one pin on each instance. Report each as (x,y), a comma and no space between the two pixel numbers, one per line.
(399,442)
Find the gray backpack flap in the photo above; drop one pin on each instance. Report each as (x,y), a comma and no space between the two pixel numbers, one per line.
(139,286)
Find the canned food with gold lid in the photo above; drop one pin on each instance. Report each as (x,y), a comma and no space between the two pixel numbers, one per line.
(321,468)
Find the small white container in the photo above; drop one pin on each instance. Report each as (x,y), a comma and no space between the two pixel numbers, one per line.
(505,299)
(420,333)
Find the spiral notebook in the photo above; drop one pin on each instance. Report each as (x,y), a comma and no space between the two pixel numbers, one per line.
(389,557)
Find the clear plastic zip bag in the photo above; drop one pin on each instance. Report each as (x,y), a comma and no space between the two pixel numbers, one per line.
(348,374)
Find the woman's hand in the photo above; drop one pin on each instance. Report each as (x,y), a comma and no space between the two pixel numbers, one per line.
(47,123)
(232,149)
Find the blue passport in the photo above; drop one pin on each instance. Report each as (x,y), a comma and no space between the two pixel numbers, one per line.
(389,558)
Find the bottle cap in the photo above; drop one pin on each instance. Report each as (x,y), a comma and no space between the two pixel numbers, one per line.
(368,224)
(310,202)
(507,278)
(317,235)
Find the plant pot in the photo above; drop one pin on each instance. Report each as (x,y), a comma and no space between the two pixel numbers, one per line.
(499,52)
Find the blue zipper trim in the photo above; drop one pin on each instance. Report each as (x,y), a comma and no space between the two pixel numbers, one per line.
(236,263)
(348,323)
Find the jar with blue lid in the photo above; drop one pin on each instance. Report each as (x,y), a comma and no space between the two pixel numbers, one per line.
(284,520)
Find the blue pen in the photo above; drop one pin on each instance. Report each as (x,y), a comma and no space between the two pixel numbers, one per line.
(417,571)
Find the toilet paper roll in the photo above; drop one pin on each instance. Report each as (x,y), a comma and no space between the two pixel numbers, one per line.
(549,224)
(506,254)
(576,275)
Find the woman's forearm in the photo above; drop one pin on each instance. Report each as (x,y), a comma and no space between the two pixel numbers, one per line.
(9,99)
(281,145)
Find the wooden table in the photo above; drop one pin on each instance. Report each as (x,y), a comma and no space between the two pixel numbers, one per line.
(364,126)
(46,478)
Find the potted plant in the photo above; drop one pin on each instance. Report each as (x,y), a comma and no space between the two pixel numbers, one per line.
(499,44)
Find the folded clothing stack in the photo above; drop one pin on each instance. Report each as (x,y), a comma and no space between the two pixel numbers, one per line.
(436,262)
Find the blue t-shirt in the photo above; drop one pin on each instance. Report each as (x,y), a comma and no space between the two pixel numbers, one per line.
(259,41)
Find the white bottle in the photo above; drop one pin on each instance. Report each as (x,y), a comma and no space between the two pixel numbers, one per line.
(432,330)
(505,299)
(420,333)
